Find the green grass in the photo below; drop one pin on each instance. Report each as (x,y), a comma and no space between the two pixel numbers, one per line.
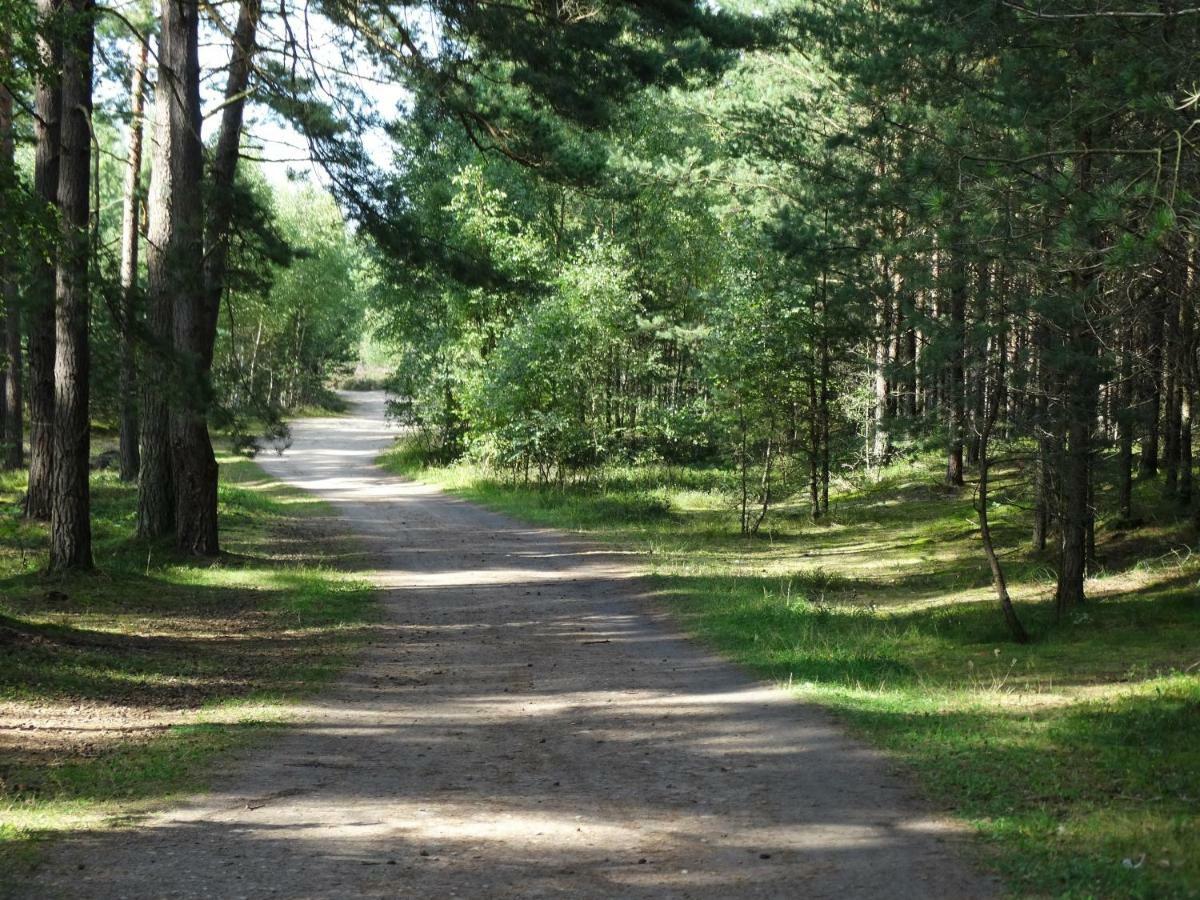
(131,681)
(1069,756)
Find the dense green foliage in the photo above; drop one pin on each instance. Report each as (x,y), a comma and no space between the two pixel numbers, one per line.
(628,257)
(877,231)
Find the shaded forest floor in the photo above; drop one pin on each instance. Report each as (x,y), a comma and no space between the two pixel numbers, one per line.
(1076,757)
(117,689)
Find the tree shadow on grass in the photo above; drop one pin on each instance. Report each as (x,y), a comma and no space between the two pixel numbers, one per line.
(1074,790)
(786,629)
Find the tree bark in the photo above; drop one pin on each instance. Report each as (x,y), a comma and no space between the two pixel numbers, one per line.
(48,108)
(1187,380)
(130,458)
(156,487)
(177,277)
(195,312)
(1171,398)
(1151,382)
(957,386)
(70,518)
(224,163)
(881,448)
(1045,430)
(1080,397)
(14,430)
(1125,435)
(999,582)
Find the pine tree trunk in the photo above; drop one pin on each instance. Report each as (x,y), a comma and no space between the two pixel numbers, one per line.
(156,484)
(70,519)
(48,108)
(196,312)
(1075,501)
(881,449)
(999,582)
(1151,384)
(1044,429)
(1187,380)
(1125,435)
(814,445)
(179,272)
(1171,398)
(224,164)
(824,393)
(12,412)
(130,459)
(1080,397)
(957,385)
(979,366)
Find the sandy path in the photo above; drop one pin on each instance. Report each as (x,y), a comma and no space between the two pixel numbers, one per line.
(526,729)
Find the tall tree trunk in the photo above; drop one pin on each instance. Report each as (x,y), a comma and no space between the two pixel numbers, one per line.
(1076,482)
(48,108)
(1187,379)
(14,429)
(814,445)
(957,386)
(824,394)
(70,519)
(1151,383)
(1125,434)
(196,312)
(979,365)
(156,486)
(1080,397)
(1171,399)
(1044,429)
(178,273)
(881,449)
(224,163)
(130,458)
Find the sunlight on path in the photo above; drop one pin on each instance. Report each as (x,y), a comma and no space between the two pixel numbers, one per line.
(527,725)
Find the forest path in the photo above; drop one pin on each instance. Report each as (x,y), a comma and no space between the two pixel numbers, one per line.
(527,725)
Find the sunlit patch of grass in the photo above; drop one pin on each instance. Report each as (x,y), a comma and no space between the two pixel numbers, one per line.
(1076,757)
(167,660)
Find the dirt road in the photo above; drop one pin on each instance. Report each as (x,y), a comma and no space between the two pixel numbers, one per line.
(528,727)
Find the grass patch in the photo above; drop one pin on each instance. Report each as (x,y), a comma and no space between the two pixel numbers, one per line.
(1076,758)
(118,689)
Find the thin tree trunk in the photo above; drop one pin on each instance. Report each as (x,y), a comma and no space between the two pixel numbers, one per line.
(999,582)
(14,430)
(814,448)
(1187,379)
(745,477)
(957,385)
(1125,436)
(48,108)
(70,519)
(979,366)
(1080,399)
(1171,396)
(764,486)
(1152,388)
(192,438)
(224,164)
(881,448)
(1043,483)
(130,458)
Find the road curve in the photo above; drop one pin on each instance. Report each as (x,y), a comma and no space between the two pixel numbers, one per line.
(526,726)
